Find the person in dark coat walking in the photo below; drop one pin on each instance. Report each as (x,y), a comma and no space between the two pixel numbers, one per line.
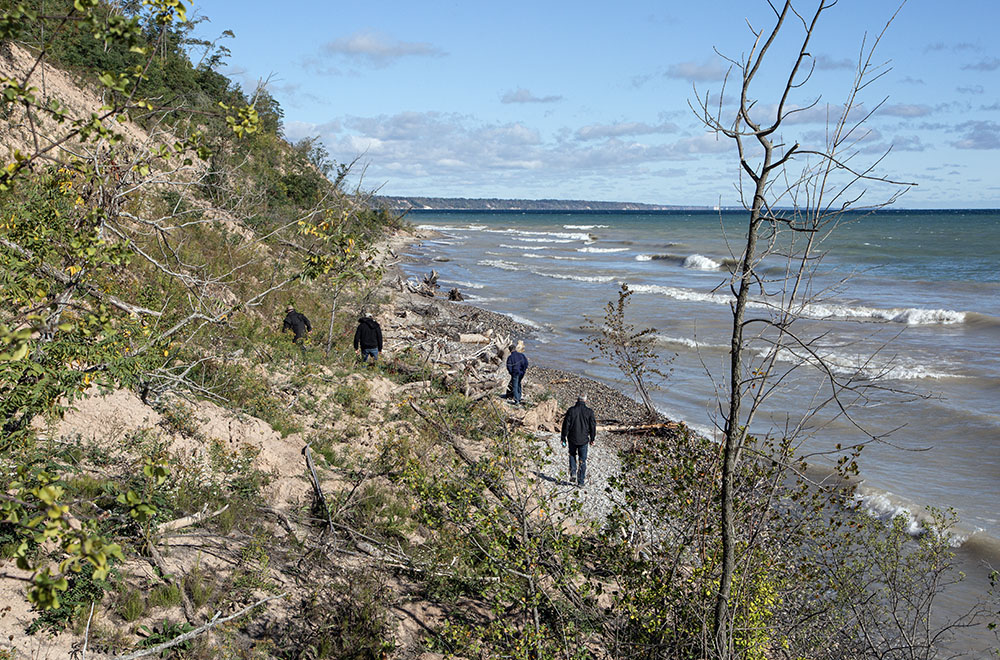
(517,365)
(579,429)
(297,323)
(368,337)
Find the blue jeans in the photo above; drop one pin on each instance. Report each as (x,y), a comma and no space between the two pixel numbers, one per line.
(581,451)
(369,353)
(515,387)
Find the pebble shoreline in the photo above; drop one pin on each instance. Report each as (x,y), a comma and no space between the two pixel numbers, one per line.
(610,406)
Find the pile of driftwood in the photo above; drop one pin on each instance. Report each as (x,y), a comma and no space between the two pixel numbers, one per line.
(471,352)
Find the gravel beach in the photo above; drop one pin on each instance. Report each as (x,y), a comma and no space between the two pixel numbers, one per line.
(611,407)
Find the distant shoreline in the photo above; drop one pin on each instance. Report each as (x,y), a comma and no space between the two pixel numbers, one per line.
(515,207)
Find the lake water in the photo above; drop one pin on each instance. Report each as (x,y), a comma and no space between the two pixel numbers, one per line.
(910,297)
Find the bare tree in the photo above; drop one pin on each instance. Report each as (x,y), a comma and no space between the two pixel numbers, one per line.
(789,216)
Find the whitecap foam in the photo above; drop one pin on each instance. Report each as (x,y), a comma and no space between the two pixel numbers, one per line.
(643,257)
(525,247)
(585,227)
(522,320)
(854,366)
(884,507)
(551,256)
(547,235)
(681,294)
(452,227)
(687,342)
(468,285)
(594,250)
(501,264)
(576,278)
(699,262)
(909,316)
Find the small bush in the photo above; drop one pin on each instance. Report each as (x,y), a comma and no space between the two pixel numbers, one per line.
(164,595)
(130,605)
(81,592)
(354,399)
(348,619)
(200,587)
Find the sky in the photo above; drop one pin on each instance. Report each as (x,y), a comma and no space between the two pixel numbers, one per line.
(592,100)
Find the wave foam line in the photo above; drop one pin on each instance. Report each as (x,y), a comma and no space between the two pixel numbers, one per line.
(452,227)
(585,227)
(909,316)
(565,236)
(594,250)
(856,366)
(883,506)
(576,278)
(853,366)
(501,264)
(525,321)
(699,262)
(468,285)
(525,247)
(551,256)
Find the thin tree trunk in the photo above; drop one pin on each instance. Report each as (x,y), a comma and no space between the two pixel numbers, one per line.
(333,314)
(735,432)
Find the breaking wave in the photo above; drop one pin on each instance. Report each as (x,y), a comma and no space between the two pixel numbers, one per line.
(563,237)
(444,228)
(908,316)
(551,256)
(525,247)
(576,278)
(698,262)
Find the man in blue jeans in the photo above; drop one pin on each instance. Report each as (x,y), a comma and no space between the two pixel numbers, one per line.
(368,337)
(579,429)
(517,365)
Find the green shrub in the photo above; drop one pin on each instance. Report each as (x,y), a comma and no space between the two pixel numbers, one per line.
(130,605)
(164,595)
(354,399)
(75,601)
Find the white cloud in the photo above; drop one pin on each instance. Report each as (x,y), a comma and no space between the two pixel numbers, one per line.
(825,62)
(906,110)
(621,129)
(975,90)
(987,64)
(979,135)
(378,50)
(708,71)
(520,95)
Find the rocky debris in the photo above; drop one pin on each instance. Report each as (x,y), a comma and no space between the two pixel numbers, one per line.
(610,406)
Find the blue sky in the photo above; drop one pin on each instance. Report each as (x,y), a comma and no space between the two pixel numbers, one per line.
(589,100)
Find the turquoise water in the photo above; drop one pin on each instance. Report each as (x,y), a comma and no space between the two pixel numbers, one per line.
(911,298)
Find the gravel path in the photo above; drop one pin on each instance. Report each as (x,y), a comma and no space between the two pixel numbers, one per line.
(611,407)
(602,463)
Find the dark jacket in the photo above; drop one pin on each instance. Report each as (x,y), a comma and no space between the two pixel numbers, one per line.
(517,364)
(297,323)
(579,426)
(368,334)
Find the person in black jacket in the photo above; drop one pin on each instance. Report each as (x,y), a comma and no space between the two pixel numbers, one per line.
(579,429)
(368,337)
(299,324)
